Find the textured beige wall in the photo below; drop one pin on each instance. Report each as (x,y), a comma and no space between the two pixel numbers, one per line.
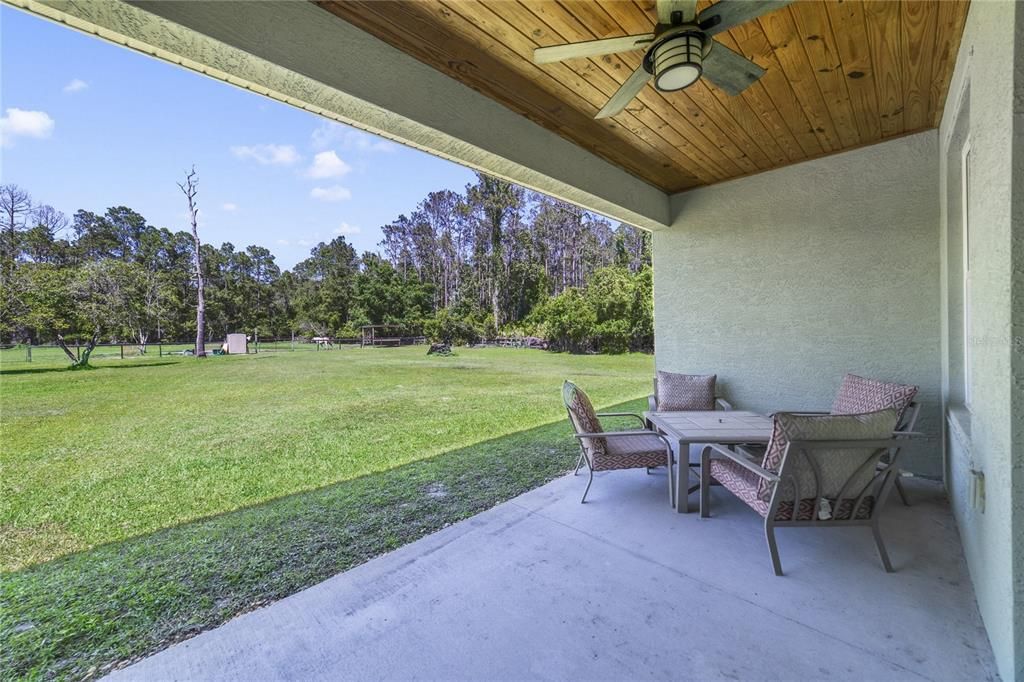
(784,281)
(990,437)
(1017,342)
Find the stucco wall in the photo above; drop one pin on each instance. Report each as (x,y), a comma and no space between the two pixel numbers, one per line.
(988,437)
(782,282)
(1017,342)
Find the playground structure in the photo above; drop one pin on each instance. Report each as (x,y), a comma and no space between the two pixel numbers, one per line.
(519,342)
(386,335)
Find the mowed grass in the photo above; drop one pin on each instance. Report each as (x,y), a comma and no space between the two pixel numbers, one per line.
(147,500)
(132,447)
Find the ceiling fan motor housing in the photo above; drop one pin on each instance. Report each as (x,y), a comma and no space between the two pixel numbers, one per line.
(677,57)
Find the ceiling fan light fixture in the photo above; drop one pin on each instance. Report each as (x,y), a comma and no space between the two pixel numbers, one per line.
(679,61)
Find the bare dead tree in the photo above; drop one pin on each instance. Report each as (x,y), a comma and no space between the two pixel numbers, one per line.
(190,188)
(15,208)
(50,219)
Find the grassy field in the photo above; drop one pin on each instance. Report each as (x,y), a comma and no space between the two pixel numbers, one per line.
(152,498)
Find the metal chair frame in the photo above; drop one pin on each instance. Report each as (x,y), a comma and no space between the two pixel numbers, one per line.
(586,457)
(884,455)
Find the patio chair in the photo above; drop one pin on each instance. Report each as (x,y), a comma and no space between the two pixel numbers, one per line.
(818,470)
(685,392)
(682,392)
(858,395)
(610,450)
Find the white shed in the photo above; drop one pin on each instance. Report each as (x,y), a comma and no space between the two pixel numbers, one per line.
(237,344)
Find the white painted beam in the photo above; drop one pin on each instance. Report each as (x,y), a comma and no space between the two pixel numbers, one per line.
(298,53)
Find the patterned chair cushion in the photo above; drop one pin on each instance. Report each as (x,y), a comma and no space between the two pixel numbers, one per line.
(745,484)
(631,445)
(678,392)
(835,467)
(808,506)
(858,395)
(584,418)
(741,482)
(632,452)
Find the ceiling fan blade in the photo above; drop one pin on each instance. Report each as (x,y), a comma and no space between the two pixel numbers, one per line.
(730,71)
(625,94)
(725,14)
(590,48)
(688,8)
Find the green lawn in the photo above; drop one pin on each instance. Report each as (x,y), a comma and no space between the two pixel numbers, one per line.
(185,491)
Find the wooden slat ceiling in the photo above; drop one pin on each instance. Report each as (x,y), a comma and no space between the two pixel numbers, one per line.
(839,75)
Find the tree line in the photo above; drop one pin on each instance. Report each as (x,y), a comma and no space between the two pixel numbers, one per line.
(493,260)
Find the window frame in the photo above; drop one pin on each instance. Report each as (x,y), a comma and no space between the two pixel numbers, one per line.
(965,269)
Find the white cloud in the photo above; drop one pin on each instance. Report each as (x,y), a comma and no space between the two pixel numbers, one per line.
(328,165)
(327,134)
(228,206)
(332,193)
(267,154)
(75,85)
(345,228)
(22,123)
(282,242)
(330,133)
(304,242)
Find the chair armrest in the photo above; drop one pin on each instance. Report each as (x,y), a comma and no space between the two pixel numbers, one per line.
(652,403)
(722,453)
(723,404)
(875,444)
(622,414)
(617,434)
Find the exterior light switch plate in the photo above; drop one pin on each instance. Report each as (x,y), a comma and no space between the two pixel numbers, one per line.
(978,490)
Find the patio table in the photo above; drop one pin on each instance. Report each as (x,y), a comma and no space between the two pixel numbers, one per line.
(724,427)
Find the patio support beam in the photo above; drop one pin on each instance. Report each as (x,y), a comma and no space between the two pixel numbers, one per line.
(297,53)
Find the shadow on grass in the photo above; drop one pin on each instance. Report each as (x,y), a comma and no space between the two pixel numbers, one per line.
(84,614)
(34,370)
(69,368)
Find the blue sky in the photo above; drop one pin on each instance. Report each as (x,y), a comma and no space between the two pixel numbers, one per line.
(89,125)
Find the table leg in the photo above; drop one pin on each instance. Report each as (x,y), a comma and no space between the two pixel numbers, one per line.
(683,478)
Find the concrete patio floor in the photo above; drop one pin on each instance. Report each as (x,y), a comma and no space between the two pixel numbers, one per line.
(542,587)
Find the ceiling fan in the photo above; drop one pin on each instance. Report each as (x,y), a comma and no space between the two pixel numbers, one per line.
(679,51)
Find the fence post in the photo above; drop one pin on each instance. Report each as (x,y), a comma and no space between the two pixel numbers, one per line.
(122,351)
(78,350)
(161,347)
